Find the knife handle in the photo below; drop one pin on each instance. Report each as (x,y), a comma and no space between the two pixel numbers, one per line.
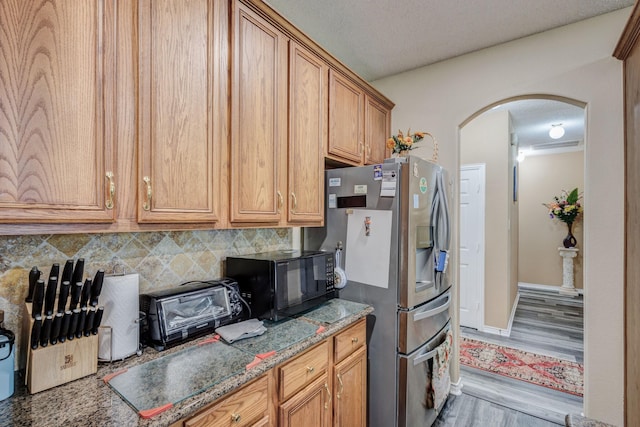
(88,324)
(34,275)
(97,320)
(67,271)
(75,295)
(78,272)
(81,321)
(46,331)
(74,324)
(35,332)
(55,328)
(86,292)
(38,297)
(62,297)
(96,288)
(50,295)
(64,328)
(55,270)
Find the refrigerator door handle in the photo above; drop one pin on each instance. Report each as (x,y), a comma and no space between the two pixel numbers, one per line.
(432,312)
(429,355)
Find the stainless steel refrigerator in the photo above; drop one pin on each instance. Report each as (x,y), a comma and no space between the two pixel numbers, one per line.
(391,225)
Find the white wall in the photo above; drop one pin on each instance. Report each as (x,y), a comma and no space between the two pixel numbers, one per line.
(575,62)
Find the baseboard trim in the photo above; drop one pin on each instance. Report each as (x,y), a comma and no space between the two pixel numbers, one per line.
(548,288)
(513,314)
(456,388)
(496,331)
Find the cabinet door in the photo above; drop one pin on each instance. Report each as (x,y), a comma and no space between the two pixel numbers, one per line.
(56,110)
(378,124)
(346,116)
(259,119)
(311,407)
(307,135)
(179,160)
(350,390)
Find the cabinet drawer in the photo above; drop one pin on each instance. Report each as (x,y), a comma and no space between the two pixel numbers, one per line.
(242,408)
(348,341)
(299,372)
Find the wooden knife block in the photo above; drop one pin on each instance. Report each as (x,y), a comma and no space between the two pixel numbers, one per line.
(53,365)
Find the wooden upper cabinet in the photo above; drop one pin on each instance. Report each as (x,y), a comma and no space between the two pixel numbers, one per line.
(180,146)
(258,156)
(378,125)
(57,63)
(346,115)
(307,135)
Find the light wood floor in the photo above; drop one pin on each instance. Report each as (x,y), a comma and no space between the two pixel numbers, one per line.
(544,323)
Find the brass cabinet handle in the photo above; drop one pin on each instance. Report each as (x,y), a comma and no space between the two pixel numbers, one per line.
(326,404)
(295,201)
(235,418)
(369,149)
(147,203)
(112,191)
(310,369)
(360,147)
(341,387)
(354,340)
(280,201)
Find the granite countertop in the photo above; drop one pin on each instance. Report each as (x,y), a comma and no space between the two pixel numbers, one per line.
(89,401)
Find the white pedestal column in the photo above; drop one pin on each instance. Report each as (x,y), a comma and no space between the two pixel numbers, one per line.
(568,254)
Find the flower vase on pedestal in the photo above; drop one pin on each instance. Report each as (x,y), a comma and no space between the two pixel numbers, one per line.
(569,241)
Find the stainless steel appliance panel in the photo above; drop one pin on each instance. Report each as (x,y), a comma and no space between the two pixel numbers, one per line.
(420,324)
(425,231)
(416,193)
(413,378)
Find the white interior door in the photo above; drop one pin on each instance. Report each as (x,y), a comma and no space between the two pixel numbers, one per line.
(472,178)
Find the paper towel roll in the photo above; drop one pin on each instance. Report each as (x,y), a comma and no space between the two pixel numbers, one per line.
(119,332)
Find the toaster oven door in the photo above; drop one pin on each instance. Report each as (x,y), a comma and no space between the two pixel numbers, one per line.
(183,313)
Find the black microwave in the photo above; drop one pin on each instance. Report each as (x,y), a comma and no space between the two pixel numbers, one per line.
(284,283)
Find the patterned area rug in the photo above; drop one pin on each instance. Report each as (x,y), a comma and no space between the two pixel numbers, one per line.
(545,371)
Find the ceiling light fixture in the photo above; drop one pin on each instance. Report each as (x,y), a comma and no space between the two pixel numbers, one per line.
(556,131)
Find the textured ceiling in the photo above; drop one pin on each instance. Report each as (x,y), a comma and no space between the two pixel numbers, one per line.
(379,38)
(532,119)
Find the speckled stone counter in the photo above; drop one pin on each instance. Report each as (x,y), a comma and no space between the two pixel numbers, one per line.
(89,401)
(574,420)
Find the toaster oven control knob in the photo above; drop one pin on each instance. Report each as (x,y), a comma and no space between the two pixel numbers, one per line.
(236,308)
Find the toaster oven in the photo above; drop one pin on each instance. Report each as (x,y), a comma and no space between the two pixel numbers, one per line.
(189,310)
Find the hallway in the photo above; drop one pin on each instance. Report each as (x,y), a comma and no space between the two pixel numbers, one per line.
(545,323)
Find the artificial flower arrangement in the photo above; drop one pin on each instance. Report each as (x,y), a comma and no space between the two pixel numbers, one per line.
(566,208)
(400,142)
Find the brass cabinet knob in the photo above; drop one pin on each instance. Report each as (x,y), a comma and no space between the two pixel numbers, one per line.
(235,418)
(310,369)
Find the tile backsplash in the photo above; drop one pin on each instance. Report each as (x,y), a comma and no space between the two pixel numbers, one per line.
(162,259)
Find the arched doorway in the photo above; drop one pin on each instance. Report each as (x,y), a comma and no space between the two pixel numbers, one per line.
(503,225)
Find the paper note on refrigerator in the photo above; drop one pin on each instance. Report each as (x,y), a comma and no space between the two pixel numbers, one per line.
(367,257)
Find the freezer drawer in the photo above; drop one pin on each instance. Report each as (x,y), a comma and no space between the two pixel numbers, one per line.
(417,326)
(413,381)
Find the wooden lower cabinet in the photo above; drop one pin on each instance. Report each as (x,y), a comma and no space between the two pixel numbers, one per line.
(350,390)
(310,407)
(324,386)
